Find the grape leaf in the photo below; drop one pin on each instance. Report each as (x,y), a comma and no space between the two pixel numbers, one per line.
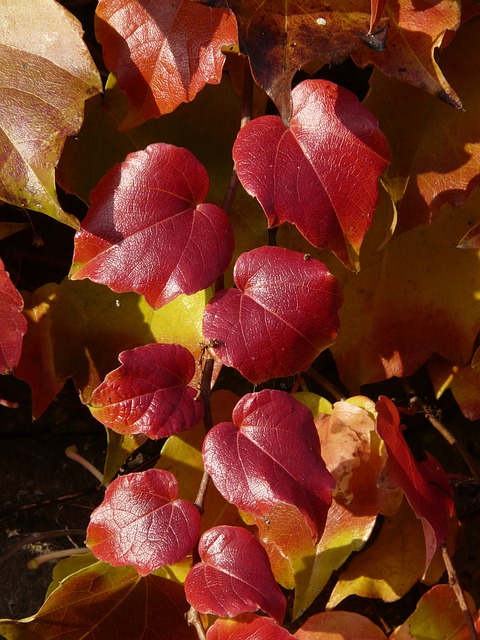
(14,324)
(415,29)
(149,392)
(143,45)
(341,625)
(464,383)
(102,602)
(145,231)
(234,576)
(141,523)
(46,74)
(294,171)
(425,484)
(285,307)
(378,7)
(247,627)
(270,454)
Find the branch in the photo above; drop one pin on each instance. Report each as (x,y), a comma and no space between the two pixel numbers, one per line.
(457,589)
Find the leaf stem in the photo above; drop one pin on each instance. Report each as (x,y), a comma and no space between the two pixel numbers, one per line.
(457,589)
(325,384)
(36,562)
(40,536)
(194,620)
(72,453)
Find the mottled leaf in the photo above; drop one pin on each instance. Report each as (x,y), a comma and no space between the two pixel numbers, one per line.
(234,576)
(146,232)
(321,171)
(247,627)
(269,455)
(142,523)
(143,44)
(46,74)
(14,325)
(285,306)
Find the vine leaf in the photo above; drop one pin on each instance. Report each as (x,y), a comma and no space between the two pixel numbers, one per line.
(340,624)
(14,324)
(184,45)
(425,484)
(46,74)
(269,455)
(378,7)
(98,601)
(247,627)
(149,393)
(294,171)
(141,523)
(234,576)
(145,231)
(280,317)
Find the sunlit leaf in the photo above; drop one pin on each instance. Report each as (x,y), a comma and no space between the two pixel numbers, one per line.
(234,576)
(142,523)
(247,627)
(341,625)
(146,232)
(294,171)
(286,308)
(46,74)
(14,324)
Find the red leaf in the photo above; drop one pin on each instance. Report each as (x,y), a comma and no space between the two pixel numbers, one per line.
(141,523)
(281,316)
(149,394)
(378,7)
(270,455)
(321,172)
(247,627)
(145,231)
(425,484)
(14,325)
(234,576)
(144,45)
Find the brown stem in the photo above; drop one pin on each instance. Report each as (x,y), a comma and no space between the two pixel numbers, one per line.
(194,620)
(39,536)
(324,383)
(457,589)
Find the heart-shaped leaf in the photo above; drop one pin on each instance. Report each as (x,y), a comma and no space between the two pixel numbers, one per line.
(234,576)
(320,172)
(141,523)
(184,45)
(270,454)
(425,484)
(145,231)
(282,314)
(14,324)
(247,627)
(149,392)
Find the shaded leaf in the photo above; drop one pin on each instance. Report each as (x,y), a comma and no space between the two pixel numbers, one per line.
(145,43)
(294,170)
(234,576)
(14,324)
(344,625)
(145,231)
(149,392)
(464,383)
(141,523)
(378,7)
(247,627)
(268,455)
(286,307)
(101,602)
(425,484)
(46,74)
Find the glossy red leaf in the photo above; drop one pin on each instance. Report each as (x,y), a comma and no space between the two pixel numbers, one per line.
(234,576)
(247,627)
(425,484)
(141,523)
(321,172)
(270,455)
(145,231)
(144,44)
(13,323)
(149,392)
(282,314)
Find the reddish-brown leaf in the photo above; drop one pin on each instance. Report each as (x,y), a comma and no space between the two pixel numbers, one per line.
(378,7)
(234,576)
(162,53)
(13,323)
(341,625)
(149,392)
(269,455)
(320,172)
(282,314)
(247,627)
(425,484)
(146,232)
(142,523)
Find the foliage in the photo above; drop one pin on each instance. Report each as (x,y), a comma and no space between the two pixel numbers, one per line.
(247,212)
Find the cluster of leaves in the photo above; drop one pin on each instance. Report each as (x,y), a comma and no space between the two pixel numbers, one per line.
(173,273)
